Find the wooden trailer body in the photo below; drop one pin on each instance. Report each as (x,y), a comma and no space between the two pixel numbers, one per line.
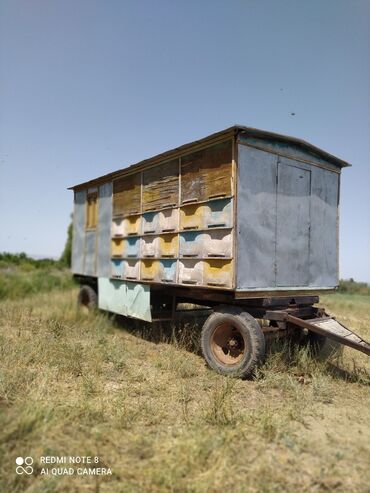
(241,214)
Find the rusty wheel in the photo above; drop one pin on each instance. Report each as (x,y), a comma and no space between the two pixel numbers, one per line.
(228,344)
(232,342)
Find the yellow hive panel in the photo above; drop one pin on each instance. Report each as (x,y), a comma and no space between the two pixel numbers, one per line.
(169,245)
(117,247)
(149,270)
(218,272)
(131,225)
(192,216)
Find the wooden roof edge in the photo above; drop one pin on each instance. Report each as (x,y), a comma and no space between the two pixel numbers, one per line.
(221,135)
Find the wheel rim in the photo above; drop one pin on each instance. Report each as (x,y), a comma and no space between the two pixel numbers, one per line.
(228,344)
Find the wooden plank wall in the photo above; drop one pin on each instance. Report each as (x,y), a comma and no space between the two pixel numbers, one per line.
(173,223)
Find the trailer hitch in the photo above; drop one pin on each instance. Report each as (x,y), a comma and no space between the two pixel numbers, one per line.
(324,325)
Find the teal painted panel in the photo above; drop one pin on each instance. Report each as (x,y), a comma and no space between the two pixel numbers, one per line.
(125,298)
(138,301)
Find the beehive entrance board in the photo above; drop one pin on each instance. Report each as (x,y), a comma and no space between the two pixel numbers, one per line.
(170,220)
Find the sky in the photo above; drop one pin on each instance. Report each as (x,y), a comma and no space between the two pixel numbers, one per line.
(88,87)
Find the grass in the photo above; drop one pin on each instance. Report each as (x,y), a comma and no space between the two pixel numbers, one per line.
(76,384)
(22,276)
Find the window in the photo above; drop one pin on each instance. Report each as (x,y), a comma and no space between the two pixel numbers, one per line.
(92,210)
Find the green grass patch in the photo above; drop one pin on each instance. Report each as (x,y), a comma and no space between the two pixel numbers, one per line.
(349,286)
(21,276)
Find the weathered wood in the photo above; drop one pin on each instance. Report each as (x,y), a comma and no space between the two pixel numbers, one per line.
(127,195)
(161,186)
(206,174)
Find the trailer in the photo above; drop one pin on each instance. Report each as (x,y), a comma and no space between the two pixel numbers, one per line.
(243,222)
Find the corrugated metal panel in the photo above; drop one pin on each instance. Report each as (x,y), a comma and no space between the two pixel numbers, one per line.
(256,218)
(287,149)
(125,298)
(324,231)
(104,229)
(79,220)
(286,223)
(293,224)
(90,253)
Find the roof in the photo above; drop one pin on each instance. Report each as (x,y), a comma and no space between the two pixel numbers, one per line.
(223,134)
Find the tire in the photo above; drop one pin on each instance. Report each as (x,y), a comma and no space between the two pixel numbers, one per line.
(87,297)
(232,342)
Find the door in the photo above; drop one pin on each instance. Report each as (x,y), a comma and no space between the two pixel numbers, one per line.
(292,224)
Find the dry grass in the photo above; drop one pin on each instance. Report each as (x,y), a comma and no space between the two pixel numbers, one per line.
(83,385)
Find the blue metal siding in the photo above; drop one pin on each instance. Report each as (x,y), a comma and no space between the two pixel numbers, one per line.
(287,149)
(287,219)
(256,218)
(292,224)
(78,239)
(90,254)
(324,233)
(104,230)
